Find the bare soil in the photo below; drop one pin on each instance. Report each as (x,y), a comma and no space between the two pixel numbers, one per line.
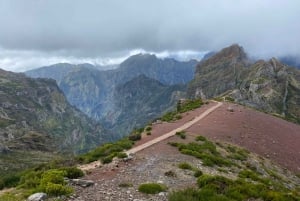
(258,132)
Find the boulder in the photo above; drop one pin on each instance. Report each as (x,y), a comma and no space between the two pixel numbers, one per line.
(82,182)
(37,197)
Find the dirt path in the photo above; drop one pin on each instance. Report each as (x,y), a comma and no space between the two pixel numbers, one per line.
(173,132)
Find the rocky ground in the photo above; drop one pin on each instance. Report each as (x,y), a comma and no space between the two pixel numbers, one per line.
(257,132)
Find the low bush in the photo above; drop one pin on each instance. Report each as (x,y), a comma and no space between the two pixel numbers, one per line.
(72,172)
(57,189)
(182,107)
(181,134)
(185,166)
(148,133)
(152,188)
(122,155)
(206,151)
(222,188)
(148,128)
(200,138)
(10,180)
(135,136)
(198,173)
(106,151)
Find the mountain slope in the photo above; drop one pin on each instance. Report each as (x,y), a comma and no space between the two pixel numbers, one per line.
(167,71)
(94,92)
(35,116)
(140,100)
(266,85)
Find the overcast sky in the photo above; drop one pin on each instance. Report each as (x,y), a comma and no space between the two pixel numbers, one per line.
(41,32)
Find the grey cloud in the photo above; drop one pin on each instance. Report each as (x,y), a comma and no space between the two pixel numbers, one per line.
(101,28)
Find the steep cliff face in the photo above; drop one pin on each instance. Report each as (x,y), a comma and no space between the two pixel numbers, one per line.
(220,73)
(35,115)
(266,85)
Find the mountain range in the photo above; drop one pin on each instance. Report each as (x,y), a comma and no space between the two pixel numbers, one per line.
(97,93)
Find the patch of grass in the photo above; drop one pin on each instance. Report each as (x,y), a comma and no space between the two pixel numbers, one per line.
(200,138)
(188,105)
(185,166)
(222,188)
(237,153)
(229,99)
(11,197)
(182,107)
(122,155)
(248,174)
(106,152)
(148,128)
(72,172)
(181,134)
(206,151)
(135,136)
(198,173)
(152,188)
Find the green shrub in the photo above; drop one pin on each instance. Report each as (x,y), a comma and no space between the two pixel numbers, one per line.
(54,189)
(206,151)
(72,172)
(200,138)
(149,128)
(135,136)
(182,107)
(220,188)
(52,182)
(10,180)
(11,197)
(107,159)
(192,194)
(53,176)
(185,166)
(152,188)
(106,151)
(229,99)
(217,183)
(31,179)
(122,155)
(248,174)
(181,134)
(198,173)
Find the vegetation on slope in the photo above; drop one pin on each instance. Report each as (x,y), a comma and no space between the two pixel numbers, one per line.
(245,181)
(48,178)
(182,106)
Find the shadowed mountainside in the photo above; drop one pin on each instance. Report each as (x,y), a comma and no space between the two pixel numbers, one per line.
(35,117)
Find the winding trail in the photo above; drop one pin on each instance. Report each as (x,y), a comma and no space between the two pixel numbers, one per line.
(173,132)
(136,149)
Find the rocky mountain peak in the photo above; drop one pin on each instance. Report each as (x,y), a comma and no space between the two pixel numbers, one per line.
(138,59)
(233,53)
